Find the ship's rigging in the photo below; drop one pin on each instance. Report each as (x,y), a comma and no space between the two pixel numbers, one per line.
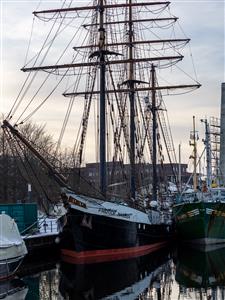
(122,56)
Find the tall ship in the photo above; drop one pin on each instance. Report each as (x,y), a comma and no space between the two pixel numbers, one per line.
(120,52)
(199,215)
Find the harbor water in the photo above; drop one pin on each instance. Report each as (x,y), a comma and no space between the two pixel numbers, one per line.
(167,274)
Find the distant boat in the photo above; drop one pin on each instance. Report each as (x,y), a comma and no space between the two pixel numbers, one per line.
(200,215)
(12,247)
(202,220)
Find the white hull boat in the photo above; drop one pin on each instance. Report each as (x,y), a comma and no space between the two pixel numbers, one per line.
(12,247)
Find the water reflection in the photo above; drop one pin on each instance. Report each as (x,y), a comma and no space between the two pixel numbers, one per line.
(200,272)
(13,289)
(43,286)
(127,279)
(193,274)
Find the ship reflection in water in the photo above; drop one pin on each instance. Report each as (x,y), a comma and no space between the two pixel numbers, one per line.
(145,277)
(200,272)
(126,279)
(13,289)
(192,273)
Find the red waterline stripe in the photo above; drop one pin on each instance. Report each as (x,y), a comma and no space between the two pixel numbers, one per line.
(95,256)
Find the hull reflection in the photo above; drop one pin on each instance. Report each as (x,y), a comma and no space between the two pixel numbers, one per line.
(201,271)
(125,279)
(13,289)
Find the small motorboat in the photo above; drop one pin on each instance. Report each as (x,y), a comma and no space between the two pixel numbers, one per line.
(12,247)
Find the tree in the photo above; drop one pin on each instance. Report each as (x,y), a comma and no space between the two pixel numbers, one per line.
(18,166)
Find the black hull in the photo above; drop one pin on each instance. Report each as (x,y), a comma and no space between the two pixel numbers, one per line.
(86,232)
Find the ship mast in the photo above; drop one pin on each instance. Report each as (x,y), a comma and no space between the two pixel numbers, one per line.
(102,142)
(193,143)
(132,103)
(195,157)
(154,126)
(60,179)
(208,153)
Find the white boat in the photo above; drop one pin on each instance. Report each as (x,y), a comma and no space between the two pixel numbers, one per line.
(12,247)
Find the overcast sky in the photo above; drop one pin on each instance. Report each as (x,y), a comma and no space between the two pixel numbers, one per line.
(202,21)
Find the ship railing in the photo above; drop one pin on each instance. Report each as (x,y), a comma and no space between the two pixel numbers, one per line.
(43,225)
(48,225)
(187,197)
(209,196)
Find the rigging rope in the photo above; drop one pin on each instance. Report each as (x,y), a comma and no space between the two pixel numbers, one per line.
(45,80)
(31,33)
(15,149)
(16,105)
(17,102)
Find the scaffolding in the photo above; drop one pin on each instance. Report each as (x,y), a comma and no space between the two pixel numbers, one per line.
(215,146)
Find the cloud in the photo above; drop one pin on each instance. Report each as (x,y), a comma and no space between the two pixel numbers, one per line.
(202,21)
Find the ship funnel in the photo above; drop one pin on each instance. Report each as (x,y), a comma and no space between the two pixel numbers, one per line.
(222,135)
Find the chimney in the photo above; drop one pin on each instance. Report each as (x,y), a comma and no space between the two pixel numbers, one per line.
(222,135)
